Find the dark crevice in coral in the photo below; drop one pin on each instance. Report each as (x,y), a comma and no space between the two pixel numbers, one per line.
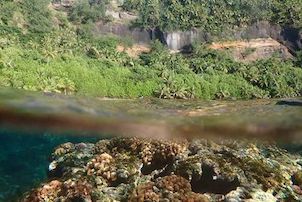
(56,173)
(118,182)
(208,184)
(297,178)
(77,199)
(148,169)
(166,171)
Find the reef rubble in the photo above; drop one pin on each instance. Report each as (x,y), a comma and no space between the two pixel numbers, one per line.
(137,170)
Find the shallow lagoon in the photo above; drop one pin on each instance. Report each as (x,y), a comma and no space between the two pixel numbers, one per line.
(33,124)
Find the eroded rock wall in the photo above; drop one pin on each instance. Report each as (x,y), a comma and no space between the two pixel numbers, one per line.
(177,40)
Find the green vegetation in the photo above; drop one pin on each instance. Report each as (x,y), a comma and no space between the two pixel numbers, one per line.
(42,49)
(213,16)
(59,64)
(88,11)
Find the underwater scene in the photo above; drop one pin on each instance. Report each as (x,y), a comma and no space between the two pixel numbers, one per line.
(69,148)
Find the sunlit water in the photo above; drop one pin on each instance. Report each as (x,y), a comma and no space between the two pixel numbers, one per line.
(32,124)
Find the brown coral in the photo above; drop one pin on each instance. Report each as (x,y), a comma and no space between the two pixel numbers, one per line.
(297,178)
(153,170)
(101,147)
(171,188)
(102,165)
(64,149)
(155,151)
(144,192)
(47,192)
(174,183)
(149,150)
(79,190)
(194,197)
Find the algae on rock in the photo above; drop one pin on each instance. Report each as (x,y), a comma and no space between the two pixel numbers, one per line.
(134,169)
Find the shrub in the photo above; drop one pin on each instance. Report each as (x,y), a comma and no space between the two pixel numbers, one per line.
(280,79)
(298,59)
(85,11)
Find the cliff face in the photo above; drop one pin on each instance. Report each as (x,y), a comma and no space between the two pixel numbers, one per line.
(137,35)
(289,37)
(177,40)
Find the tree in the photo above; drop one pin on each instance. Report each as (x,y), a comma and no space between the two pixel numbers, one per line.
(150,14)
(85,11)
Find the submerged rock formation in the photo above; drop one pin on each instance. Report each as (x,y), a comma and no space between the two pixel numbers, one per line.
(133,169)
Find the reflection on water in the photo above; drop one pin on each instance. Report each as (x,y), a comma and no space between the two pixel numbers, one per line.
(28,122)
(153,117)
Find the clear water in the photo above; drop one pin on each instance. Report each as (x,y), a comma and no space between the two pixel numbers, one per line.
(33,124)
(24,159)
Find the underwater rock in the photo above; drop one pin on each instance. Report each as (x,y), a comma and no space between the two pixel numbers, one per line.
(168,188)
(47,192)
(262,196)
(135,169)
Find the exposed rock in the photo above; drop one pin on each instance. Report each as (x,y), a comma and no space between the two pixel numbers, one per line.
(133,51)
(177,40)
(253,49)
(258,196)
(180,39)
(237,195)
(123,30)
(133,169)
(289,37)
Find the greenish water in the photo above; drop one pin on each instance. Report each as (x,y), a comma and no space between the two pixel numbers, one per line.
(24,159)
(33,124)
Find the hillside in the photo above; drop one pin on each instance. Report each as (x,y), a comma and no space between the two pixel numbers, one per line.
(90,48)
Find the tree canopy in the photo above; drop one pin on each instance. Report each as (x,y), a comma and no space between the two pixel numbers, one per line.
(214,15)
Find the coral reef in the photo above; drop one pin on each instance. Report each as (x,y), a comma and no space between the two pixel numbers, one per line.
(169,188)
(102,165)
(134,169)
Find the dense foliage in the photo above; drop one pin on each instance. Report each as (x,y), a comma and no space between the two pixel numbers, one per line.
(26,15)
(88,11)
(214,16)
(65,63)
(41,49)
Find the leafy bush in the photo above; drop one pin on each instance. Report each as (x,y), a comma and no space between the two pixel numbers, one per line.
(280,79)
(37,14)
(131,5)
(213,16)
(205,60)
(174,86)
(298,59)
(85,11)
(72,67)
(226,86)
